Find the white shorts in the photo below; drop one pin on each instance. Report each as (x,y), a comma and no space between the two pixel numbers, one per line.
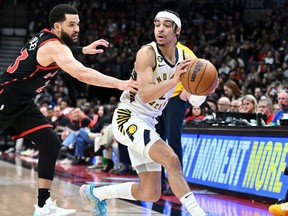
(138,133)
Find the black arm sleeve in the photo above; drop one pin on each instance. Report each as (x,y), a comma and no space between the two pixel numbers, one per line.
(76,50)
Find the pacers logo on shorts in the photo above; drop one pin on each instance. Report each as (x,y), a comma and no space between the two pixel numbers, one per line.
(123,116)
(131,130)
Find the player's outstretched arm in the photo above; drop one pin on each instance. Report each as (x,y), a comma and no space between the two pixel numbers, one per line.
(55,52)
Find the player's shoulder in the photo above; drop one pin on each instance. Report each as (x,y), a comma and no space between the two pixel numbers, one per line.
(146,50)
(188,52)
(146,57)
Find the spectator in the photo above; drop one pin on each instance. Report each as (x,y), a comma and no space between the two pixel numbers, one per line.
(65,105)
(258,93)
(195,113)
(59,120)
(104,117)
(87,109)
(249,104)
(234,105)
(265,106)
(240,105)
(72,135)
(231,90)
(223,104)
(106,141)
(283,104)
(212,103)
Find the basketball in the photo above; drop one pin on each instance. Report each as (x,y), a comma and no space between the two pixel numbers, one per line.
(201,77)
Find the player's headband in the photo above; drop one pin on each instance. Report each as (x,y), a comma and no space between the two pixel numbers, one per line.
(169,15)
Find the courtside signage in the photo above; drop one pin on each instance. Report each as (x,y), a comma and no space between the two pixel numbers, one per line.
(245,164)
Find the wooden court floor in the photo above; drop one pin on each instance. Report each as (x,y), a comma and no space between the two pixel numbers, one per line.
(18,192)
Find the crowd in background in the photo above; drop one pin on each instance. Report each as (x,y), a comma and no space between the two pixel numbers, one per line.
(253,54)
(250,55)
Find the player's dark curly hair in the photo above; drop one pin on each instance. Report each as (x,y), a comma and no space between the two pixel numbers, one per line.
(57,14)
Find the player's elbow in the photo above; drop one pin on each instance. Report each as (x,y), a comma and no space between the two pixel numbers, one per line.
(144,97)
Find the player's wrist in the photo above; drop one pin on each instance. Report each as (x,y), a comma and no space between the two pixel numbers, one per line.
(77,50)
(84,50)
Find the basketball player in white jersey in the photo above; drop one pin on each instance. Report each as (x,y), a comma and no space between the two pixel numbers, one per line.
(158,67)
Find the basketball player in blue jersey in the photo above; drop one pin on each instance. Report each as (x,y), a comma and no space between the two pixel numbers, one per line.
(158,67)
(38,62)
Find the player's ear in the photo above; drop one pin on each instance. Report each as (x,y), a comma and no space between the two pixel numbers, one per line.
(178,30)
(57,26)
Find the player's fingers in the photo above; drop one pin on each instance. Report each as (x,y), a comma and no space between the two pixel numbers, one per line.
(103,41)
(99,51)
(184,64)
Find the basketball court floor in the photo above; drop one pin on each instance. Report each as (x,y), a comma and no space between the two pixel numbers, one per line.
(18,192)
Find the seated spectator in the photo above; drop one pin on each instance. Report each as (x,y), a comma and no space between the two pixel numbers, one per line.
(210,108)
(94,151)
(195,113)
(240,105)
(231,90)
(65,105)
(249,104)
(87,109)
(106,140)
(273,89)
(59,120)
(234,106)
(258,93)
(282,98)
(73,134)
(212,104)
(265,106)
(223,104)
(104,118)
(102,146)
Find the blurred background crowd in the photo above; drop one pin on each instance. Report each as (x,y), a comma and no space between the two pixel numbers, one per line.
(251,56)
(252,53)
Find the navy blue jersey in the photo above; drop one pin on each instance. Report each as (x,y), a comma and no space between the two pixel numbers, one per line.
(25,77)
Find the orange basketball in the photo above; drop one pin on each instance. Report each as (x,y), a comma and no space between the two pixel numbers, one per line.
(201,77)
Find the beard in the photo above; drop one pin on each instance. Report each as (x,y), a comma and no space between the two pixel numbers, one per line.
(68,40)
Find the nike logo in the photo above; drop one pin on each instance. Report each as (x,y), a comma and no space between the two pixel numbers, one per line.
(188,195)
(161,65)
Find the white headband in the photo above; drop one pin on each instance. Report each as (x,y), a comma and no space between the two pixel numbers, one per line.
(169,15)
